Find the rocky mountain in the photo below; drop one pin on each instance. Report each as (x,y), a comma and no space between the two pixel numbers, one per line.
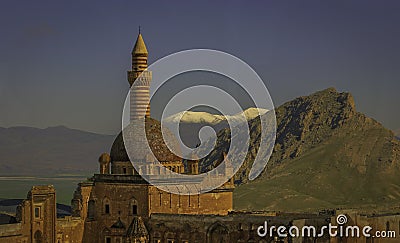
(50,151)
(326,155)
(190,122)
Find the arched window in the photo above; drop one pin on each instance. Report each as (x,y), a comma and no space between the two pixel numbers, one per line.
(106,206)
(38,236)
(134,206)
(91,209)
(218,233)
(170,237)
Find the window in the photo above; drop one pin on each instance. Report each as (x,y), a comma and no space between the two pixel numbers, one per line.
(134,206)
(91,209)
(124,169)
(134,209)
(156,237)
(38,236)
(108,239)
(106,206)
(37,212)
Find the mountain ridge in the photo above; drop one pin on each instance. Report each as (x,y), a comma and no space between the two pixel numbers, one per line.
(326,155)
(47,151)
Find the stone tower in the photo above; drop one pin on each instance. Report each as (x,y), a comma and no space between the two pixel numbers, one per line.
(139,79)
(41,204)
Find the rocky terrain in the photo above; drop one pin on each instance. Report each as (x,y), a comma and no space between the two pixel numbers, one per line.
(327,155)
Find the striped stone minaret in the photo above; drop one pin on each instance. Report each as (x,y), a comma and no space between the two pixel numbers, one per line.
(139,78)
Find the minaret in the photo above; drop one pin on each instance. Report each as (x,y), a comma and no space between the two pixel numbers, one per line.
(139,79)
(104,161)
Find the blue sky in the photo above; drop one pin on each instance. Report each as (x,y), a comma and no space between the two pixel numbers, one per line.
(65,62)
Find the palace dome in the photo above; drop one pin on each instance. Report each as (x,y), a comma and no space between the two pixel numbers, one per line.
(155,140)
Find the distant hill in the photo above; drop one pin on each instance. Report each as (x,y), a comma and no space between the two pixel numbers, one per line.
(327,155)
(50,151)
(61,150)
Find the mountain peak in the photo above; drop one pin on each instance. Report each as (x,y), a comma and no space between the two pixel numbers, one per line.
(328,98)
(322,111)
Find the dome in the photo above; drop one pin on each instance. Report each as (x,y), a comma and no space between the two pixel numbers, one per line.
(155,140)
(104,158)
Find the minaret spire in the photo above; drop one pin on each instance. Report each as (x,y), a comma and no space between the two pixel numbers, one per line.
(139,79)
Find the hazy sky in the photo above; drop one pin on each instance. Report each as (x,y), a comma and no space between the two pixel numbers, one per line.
(65,62)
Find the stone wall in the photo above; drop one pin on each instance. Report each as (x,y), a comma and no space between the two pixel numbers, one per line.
(113,202)
(69,229)
(215,202)
(235,227)
(383,222)
(12,233)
